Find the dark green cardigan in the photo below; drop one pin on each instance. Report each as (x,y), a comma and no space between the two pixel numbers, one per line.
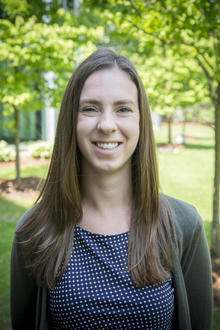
(191,273)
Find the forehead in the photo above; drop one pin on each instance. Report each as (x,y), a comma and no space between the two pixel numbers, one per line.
(109,82)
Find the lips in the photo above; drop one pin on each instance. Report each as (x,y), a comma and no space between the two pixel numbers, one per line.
(107,145)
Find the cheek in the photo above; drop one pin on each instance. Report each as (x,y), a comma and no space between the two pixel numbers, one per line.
(80,133)
(81,128)
(133,129)
(84,130)
(135,133)
(138,128)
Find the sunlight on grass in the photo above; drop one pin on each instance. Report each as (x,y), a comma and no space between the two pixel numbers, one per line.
(216,320)
(188,175)
(7,230)
(39,171)
(9,210)
(26,202)
(10,213)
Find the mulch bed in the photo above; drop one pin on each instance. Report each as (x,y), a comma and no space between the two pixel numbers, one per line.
(21,188)
(31,186)
(21,185)
(216,281)
(25,187)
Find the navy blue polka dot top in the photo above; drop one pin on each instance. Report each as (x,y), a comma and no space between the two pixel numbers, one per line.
(96,291)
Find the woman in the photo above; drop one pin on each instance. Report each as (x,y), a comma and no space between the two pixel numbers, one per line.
(102,248)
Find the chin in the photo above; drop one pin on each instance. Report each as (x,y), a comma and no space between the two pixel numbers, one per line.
(110,168)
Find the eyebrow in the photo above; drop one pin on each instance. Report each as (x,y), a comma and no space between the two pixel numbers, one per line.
(96,102)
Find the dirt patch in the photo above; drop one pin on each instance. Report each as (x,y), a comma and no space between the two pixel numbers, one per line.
(25,187)
(21,188)
(21,185)
(25,161)
(216,280)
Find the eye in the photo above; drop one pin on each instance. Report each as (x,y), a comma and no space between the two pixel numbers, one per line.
(124,110)
(89,109)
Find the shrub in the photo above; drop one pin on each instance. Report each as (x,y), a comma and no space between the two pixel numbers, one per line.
(7,153)
(40,149)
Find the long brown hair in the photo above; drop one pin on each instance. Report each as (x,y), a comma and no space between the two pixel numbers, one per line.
(47,234)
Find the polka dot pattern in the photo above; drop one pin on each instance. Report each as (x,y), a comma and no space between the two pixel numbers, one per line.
(97,292)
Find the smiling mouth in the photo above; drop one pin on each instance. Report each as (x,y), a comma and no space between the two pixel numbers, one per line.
(107,145)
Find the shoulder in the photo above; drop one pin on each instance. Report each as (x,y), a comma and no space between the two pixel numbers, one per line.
(25,216)
(187,221)
(184,214)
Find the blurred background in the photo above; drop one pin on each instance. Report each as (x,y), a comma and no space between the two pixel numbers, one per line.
(176,49)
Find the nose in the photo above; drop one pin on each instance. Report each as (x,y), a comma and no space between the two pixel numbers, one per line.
(106,123)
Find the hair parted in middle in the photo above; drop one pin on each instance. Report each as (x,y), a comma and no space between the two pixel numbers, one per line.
(51,223)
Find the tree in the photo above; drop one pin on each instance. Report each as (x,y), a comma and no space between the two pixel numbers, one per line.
(19,71)
(191,30)
(168,85)
(171,80)
(29,49)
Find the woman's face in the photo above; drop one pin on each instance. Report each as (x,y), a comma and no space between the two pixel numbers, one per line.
(108,121)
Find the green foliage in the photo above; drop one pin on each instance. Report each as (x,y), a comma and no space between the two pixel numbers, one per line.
(19,66)
(26,8)
(14,7)
(33,47)
(7,153)
(171,82)
(29,49)
(178,43)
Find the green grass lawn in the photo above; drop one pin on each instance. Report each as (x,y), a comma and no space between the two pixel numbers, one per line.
(9,213)
(187,175)
(27,171)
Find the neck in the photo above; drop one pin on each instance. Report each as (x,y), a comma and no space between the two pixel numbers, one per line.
(106,201)
(107,191)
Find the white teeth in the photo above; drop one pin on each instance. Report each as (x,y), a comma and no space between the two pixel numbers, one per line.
(106,145)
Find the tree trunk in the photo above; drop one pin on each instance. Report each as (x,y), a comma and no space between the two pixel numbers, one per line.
(169,121)
(215,239)
(17,141)
(184,128)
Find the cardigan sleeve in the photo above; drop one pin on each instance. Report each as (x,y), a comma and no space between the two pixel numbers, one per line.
(23,289)
(195,263)
(196,266)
